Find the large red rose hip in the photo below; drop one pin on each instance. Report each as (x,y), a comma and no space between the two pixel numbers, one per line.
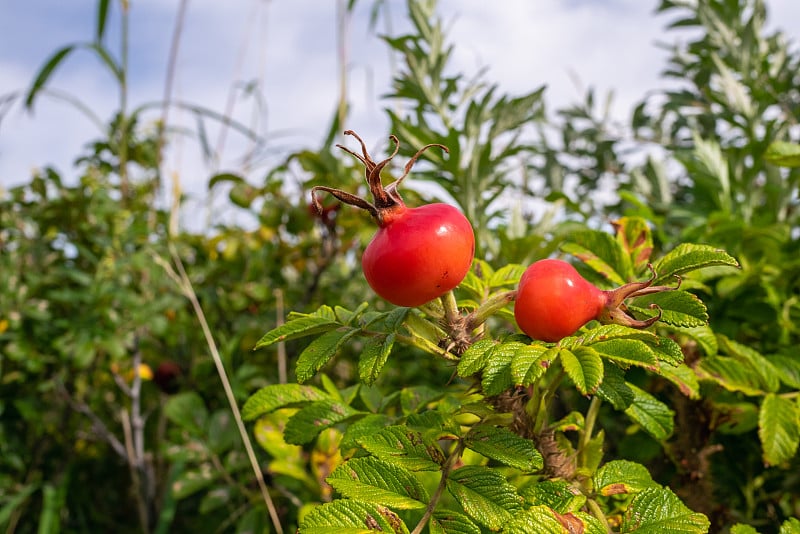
(418,254)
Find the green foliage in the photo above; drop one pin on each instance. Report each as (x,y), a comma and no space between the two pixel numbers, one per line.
(442,417)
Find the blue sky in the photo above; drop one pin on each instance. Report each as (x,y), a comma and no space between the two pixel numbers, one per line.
(290,47)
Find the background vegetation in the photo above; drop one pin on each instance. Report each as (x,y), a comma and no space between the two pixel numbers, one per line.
(126,341)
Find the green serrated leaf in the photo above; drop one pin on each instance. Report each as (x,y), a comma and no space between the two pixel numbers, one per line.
(607,332)
(373,357)
(530,362)
(296,328)
(405,448)
(485,495)
(474,358)
(788,369)
(660,511)
(778,428)
(321,351)
(668,352)
(311,419)
(272,397)
(394,318)
(435,425)
(450,522)
(602,253)
(678,308)
(545,519)
(504,446)
(365,426)
(651,414)
(558,495)
(752,359)
(622,476)
(346,316)
(372,480)
(628,352)
(473,284)
(783,153)
(729,373)
(584,367)
(346,516)
(497,371)
(508,275)
(614,389)
(689,257)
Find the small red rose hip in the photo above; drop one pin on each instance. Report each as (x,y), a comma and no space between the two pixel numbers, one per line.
(553,301)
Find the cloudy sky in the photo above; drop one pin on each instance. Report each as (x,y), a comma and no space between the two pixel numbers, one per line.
(290,48)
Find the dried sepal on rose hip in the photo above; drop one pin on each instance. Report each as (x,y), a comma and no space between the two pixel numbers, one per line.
(553,301)
(417,254)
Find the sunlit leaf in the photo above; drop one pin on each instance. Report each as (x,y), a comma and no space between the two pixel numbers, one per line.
(688,257)
(296,328)
(504,446)
(320,351)
(678,308)
(371,480)
(628,352)
(655,417)
(485,495)
(373,357)
(659,511)
(405,448)
(311,419)
(584,367)
(530,362)
(450,522)
(272,397)
(560,495)
(545,519)
(614,388)
(346,516)
(779,428)
(622,476)
(475,357)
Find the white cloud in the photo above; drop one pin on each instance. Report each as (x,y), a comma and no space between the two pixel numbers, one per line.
(292,47)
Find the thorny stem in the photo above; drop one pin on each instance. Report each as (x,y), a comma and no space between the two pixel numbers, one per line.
(446,469)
